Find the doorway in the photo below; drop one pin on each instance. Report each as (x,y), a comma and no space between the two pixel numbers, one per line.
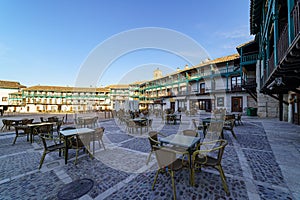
(172,106)
(296,109)
(237,104)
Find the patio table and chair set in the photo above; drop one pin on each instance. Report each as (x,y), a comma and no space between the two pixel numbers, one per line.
(193,149)
(136,124)
(55,138)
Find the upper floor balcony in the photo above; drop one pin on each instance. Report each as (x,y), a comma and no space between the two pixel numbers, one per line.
(249,59)
(284,61)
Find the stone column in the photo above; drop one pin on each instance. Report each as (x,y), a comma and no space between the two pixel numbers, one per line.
(290,109)
(285,108)
(176,105)
(187,104)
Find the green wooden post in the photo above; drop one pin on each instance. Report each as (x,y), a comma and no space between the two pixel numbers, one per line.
(187,87)
(267,53)
(241,60)
(290,20)
(227,77)
(275,21)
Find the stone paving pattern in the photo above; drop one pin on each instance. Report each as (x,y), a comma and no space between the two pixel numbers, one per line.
(263,163)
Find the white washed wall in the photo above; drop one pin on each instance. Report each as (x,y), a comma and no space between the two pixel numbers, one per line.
(4,93)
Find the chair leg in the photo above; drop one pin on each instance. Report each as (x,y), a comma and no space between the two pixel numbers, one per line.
(15,140)
(192,176)
(42,159)
(155,179)
(222,134)
(17,135)
(148,159)
(103,144)
(77,152)
(233,134)
(173,184)
(223,178)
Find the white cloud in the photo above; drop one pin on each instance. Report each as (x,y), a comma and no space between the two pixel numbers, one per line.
(241,32)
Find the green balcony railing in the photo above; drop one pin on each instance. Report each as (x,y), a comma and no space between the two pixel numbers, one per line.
(249,59)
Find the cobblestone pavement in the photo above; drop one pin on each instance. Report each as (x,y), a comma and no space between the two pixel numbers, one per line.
(263,163)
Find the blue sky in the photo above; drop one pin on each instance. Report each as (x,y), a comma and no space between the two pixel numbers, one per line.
(47,42)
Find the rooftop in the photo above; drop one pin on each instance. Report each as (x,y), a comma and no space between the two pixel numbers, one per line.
(11,85)
(65,89)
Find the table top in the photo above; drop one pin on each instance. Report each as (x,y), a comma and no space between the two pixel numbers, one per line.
(14,120)
(76,131)
(212,120)
(180,140)
(86,118)
(139,119)
(172,114)
(40,124)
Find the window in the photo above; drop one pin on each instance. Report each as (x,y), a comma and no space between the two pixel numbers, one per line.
(202,70)
(202,88)
(205,104)
(194,88)
(4,99)
(202,105)
(220,101)
(236,83)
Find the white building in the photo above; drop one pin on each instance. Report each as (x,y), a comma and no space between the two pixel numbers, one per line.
(7,87)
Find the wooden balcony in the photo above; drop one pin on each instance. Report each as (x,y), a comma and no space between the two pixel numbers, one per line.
(288,63)
(249,83)
(236,88)
(249,59)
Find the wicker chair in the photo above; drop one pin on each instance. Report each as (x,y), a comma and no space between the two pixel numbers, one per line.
(149,124)
(229,125)
(214,130)
(6,124)
(98,135)
(50,142)
(167,163)
(22,129)
(82,142)
(197,127)
(79,142)
(189,132)
(210,155)
(131,125)
(238,119)
(177,119)
(153,139)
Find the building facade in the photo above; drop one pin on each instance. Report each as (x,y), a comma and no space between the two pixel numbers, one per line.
(119,94)
(276,26)
(6,88)
(59,99)
(210,85)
